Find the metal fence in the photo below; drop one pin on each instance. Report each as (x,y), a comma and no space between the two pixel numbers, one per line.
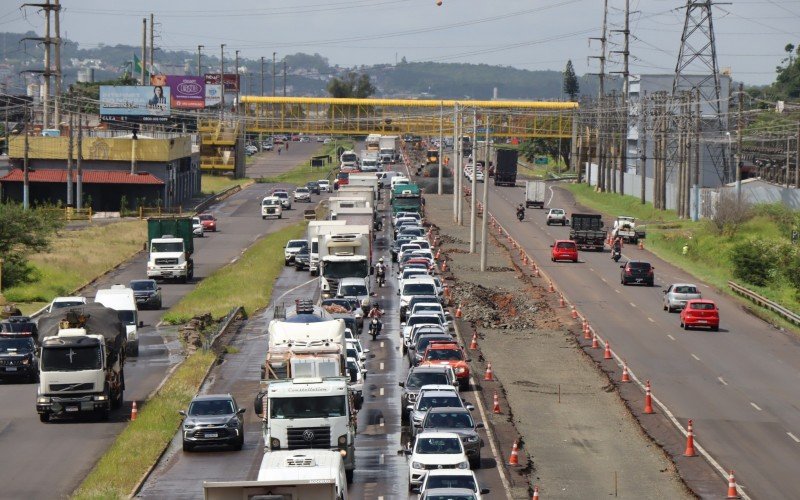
(785,313)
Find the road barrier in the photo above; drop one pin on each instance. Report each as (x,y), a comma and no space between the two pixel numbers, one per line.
(68,213)
(785,313)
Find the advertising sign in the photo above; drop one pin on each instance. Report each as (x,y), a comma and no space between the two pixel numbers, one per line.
(187,92)
(231,81)
(213,95)
(140,104)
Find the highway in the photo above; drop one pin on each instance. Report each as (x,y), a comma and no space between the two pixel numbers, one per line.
(739,385)
(380,471)
(68,449)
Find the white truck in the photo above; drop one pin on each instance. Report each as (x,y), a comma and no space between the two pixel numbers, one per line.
(356,216)
(388,148)
(369,161)
(373,142)
(344,254)
(348,159)
(121,299)
(81,368)
(625,228)
(289,475)
(535,194)
(364,181)
(317,413)
(369,193)
(316,229)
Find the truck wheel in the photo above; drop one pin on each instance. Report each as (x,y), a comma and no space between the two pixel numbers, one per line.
(132,349)
(263,217)
(349,475)
(44,417)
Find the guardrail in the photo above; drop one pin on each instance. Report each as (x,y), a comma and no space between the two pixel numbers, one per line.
(69,213)
(786,314)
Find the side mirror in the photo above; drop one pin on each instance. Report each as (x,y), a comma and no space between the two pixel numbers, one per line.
(141,324)
(182,412)
(366,351)
(241,411)
(469,360)
(469,407)
(158,288)
(663,291)
(398,292)
(479,425)
(551,246)
(401,384)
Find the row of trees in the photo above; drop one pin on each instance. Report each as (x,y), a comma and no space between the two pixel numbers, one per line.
(22,233)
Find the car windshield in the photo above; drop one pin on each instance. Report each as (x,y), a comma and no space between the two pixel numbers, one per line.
(18,344)
(175,247)
(67,303)
(703,306)
(208,407)
(206,217)
(429,402)
(685,289)
(424,320)
(127,317)
(270,202)
(455,420)
(444,355)
(17,327)
(464,482)
(419,289)
(417,380)
(339,270)
(301,190)
(566,245)
(71,358)
(297,244)
(639,265)
(140,286)
(438,446)
(195,220)
(556,212)
(353,290)
(427,307)
(308,407)
(352,352)
(414,272)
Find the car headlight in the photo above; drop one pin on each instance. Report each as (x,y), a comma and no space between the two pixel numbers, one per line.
(101,397)
(234,422)
(463,465)
(188,426)
(26,361)
(461,369)
(42,399)
(417,465)
(472,439)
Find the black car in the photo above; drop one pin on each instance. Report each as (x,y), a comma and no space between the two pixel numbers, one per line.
(18,356)
(147,293)
(637,272)
(302,259)
(313,186)
(419,376)
(396,244)
(21,325)
(416,299)
(213,419)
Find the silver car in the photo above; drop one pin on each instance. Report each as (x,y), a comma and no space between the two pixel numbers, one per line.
(459,421)
(434,399)
(213,419)
(677,294)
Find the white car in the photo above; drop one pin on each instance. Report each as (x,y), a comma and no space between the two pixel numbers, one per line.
(453,478)
(324,185)
(356,374)
(271,206)
(362,353)
(556,216)
(292,248)
(60,302)
(197,227)
(434,450)
(302,194)
(286,203)
(432,308)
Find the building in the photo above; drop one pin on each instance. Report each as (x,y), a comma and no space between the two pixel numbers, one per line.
(164,172)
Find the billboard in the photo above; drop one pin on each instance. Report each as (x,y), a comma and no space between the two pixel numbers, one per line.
(139,104)
(187,92)
(231,81)
(213,95)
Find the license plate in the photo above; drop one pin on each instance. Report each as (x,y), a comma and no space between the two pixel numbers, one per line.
(71,409)
(11,368)
(638,280)
(702,321)
(211,434)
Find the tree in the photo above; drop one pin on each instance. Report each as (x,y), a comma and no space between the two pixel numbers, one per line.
(546,147)
(22,233)
(571,86)
(352,85)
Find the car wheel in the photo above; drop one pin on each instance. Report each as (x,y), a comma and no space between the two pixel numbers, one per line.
(237,446)
(575,260)
(263,217)
(349,475)
(44,417)
(715,328)
(685,326)
(563,223)
(158,306)
(132,349)
(548,223)
(187,446)
(476,462)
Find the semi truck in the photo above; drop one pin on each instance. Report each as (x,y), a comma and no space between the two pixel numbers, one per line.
(362,181)
(406,198)
(505,172)
(388,149)
(81,368)
(345,254)
(535,193)
(310,413)
(171,244)
(315,230)
(373,142)
(289,475)
(586,230)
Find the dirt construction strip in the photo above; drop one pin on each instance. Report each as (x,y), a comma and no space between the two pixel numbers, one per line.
(577,438)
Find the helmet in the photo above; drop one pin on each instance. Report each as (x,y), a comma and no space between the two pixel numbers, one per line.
(380,260)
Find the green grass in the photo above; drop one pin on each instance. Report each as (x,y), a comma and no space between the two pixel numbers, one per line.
(141,443)
(708,257)
(213,184)
(247,282)
(304,173)
(76,257)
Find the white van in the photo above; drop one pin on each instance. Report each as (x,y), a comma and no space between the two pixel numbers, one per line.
(121,299)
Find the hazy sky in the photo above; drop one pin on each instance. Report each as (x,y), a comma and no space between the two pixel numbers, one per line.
(529,34)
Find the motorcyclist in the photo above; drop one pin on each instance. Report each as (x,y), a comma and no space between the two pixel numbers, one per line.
(375,313)
(520,212)
(380,271)
(616,250)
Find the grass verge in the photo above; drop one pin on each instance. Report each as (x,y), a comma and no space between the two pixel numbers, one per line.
(708,256)
(141,443)
(304,172)
(247,282)
(213,184)
(78,256)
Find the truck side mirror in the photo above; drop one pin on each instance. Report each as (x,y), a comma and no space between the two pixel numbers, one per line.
(241,411)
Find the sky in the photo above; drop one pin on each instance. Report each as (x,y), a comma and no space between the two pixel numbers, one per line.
(528,34)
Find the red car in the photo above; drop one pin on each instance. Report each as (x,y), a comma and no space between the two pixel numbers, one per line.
(564,250)
(700,313)
(448,353)
(209,222)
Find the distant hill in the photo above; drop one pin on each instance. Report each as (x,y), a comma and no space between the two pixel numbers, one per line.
(308,74)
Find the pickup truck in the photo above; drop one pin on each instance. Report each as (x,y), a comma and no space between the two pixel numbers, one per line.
(586,230)
(625,228)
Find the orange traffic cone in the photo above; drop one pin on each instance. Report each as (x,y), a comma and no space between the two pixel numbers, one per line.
(444,266)
(496,405)
(561,302)
(625,375)
(535,493)
(648,399)
(574,313)
(514,458)
(438,254)
(474,344)
(552,288)
(732,493)
(607,353)
(458,311)
(689,441)
(587,333)
(595,343)
(488,375)
(641,245)
(134,412)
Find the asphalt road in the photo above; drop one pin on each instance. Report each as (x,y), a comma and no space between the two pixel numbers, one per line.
(380,471)
(739,385)
(68,449)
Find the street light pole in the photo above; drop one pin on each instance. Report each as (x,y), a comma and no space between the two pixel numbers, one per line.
(273,73)
(441,140)
(199,55)
(222,81)
(485,219)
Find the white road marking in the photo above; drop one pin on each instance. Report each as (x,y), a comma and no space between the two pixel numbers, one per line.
(381,343)
(382,460)
(755,406)
(695,357)
(380,422)
(604,280)
(796,440)
(722,381)
(592,270)
(651,320)
(670,336)
(632,304)
(617,290)
(381,365)
(381,391)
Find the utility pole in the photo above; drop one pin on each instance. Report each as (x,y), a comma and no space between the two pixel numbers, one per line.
(473,195)
(273,73)
(460,192)
(643,151)
(46,71)
(625,96)
(152,45)
(25,152)
(199,65)
(455,162)
(786,173)
(57,53)
(284,77)
(262,76)
(78,165)
(681,108)
(70,152)
(236,77)
(144,50)
(441,140)
(222,82)
(601,164)
(738,159)
(485,218)
(796,159)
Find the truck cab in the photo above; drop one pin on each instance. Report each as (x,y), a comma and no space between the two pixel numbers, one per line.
(171,243)
(121,299)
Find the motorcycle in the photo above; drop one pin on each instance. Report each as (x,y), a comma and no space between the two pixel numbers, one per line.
(374,327)
(520,214)
(380,277)
(616,255)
